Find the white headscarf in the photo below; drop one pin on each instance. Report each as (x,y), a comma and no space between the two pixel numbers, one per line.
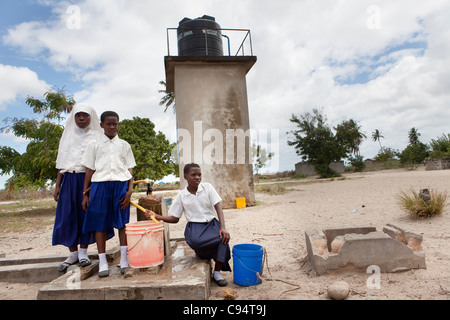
(74,139)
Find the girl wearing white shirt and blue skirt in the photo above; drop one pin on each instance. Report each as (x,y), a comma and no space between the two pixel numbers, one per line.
(205,234)
(107,188)
(82,127)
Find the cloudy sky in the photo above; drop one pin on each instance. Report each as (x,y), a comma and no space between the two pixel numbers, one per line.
(385,64)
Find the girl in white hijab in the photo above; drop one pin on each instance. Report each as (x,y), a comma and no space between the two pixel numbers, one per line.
(83,126)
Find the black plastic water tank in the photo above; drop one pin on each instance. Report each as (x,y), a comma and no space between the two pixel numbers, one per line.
(199,37)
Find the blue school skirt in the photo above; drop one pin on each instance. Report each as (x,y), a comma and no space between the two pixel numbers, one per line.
(104,212)
(204,239)
(70,215)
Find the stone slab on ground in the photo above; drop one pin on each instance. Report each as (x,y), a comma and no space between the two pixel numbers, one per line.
(182,276)
(363,249)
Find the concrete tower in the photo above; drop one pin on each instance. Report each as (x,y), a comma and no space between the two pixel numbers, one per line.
(212,113)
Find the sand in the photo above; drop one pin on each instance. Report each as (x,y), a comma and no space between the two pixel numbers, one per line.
(278,223)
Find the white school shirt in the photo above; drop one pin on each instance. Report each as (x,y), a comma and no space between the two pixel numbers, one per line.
(197,207)
(110,158)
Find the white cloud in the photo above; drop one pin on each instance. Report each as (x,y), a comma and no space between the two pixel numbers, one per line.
(308,53)
(18,82)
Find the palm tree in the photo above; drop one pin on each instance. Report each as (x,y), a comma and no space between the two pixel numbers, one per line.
(168,98)
(413,136)
(376,136)
(358,136)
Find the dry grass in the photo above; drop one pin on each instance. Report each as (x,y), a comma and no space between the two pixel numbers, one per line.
(272,189)
(413,203)
(26,215)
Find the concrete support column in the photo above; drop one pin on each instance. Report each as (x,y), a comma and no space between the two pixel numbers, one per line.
(213,121)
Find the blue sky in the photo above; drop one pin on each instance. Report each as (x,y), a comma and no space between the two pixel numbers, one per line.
(384,64)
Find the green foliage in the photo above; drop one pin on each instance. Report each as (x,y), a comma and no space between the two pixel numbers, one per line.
(417,207)
(414,154)
(316,143)
(413,136)
(8,158)
(440,148)
(37,164)
(349,135)
(376,136)
(152,151)
(386,154)
(357,163)
(168,99)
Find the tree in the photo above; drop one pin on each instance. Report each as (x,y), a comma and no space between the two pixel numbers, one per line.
(348,134)
(414,154)
(416,151)
(376,136)
(168,99)
(316,143)
(413,136)
(152,151)
(260,157)
(37,165)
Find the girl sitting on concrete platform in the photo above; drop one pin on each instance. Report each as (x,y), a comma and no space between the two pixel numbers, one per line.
(204,233)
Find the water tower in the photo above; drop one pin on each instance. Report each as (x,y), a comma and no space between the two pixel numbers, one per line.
(211,107)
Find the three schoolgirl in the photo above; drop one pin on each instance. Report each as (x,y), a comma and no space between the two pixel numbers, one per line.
(103,167)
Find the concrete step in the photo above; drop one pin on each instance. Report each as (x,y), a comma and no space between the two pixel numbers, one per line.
(43,269)
(30,272)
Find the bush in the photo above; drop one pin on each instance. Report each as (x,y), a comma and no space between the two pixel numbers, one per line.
(414,154)
(386,154)
(357,163)
(415,204)
(440,147)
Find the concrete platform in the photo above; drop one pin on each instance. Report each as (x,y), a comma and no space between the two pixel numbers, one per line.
(182,276)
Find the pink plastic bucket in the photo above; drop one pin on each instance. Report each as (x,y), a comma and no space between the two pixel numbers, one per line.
(145,243)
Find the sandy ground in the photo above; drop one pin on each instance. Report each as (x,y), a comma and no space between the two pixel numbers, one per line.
(279,222)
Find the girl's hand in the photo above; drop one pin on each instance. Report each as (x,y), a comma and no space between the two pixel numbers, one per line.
(56,194)
(125,201)
(149,213)
(224,235)
(85,202)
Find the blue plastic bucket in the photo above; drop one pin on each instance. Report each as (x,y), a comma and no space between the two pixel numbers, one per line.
(247,264)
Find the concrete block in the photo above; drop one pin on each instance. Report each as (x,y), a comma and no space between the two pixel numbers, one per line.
(346,247)
(182,276)
(32,272)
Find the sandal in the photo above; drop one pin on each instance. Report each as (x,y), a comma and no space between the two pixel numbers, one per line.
(221,282)
(84,262)
(63,266)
